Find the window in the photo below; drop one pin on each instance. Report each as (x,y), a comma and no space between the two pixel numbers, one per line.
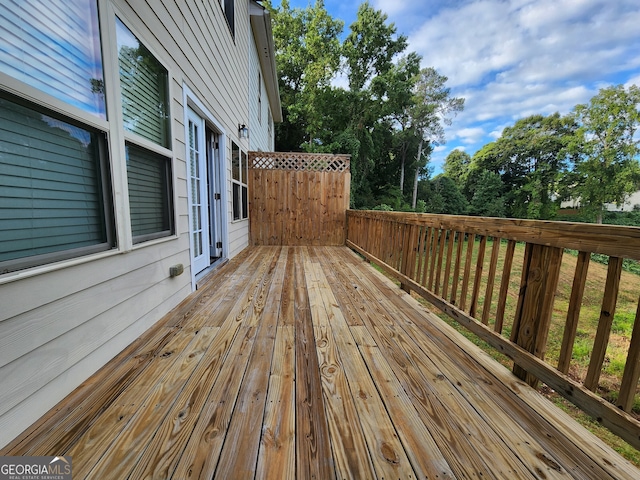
(228,9)
(239,175)
(56,49)
(54,188)
(149,180)
(145,111)
(143,83)
(259,98)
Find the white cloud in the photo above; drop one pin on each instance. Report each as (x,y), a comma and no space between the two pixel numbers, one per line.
(469,135)
(390,7)
(439,148)
(633,81)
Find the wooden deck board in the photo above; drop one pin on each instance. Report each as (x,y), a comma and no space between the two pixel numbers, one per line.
(305,362)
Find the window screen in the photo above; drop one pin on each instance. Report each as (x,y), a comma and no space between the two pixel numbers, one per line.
(52,188)
(55,47)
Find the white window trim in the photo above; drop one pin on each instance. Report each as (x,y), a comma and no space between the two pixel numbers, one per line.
(113,74)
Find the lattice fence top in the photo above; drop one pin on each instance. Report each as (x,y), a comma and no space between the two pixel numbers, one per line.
(316,162)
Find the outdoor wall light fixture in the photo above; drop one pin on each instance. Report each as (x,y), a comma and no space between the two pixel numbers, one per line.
(243,131)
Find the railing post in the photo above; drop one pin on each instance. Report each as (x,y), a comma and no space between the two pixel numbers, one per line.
(540,274)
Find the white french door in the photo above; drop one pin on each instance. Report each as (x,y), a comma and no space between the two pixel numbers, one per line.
(198,193)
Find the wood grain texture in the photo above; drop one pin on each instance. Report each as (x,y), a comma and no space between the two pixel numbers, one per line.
(361,382)
(573,312)
(632,368)
(298,198)
(613,418)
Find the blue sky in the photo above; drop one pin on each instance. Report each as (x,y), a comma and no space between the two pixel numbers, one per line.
(513,58)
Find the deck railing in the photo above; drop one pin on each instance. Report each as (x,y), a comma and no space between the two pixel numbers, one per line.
(456,263)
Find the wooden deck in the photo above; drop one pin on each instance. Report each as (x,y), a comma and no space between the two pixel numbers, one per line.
(305,362)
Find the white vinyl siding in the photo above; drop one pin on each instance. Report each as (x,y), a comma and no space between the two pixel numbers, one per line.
(59,325)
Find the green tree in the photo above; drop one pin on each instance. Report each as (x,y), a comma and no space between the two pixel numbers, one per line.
(444,196)
(433,108)
(369,51)
(399,82)
(607,170)
(530,158)
(456,165)
(487,200)
(308,53)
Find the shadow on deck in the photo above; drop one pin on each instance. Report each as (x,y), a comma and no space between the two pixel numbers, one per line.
(305,362)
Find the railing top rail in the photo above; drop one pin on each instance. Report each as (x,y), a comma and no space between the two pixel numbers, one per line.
(612,240)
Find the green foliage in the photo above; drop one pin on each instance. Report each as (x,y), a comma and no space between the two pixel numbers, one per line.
(384,207)
(487,200)
(444,196)
(387,118)
(456,165)
(623,323)
(530,156)
(308,56)
(606,170)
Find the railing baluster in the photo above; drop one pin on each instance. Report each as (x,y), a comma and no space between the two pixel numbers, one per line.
(604,324)
(504,285)
(456,268)
(447,268)
(434,252)
(443,239)
(573,312)
(421,252)
(486,310)
(427,256)
(632,368)
(477,279)
(471,239)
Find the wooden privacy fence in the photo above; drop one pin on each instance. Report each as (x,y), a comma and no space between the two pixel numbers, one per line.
(452,261)
(298,198)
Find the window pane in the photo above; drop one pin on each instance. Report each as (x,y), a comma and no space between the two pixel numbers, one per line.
(149,194)
(51,188)
(245,202)
(235,161)
(245,171)
(55,47)
(143,82)
(237,208)
(228,7)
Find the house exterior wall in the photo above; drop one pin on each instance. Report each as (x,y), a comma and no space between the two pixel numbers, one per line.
(62,321)
(627,206)
(261,137)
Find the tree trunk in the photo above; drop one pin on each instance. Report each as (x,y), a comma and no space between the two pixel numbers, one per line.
(402,162)
(414,200)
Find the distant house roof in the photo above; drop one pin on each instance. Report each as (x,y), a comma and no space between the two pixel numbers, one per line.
(261,26)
